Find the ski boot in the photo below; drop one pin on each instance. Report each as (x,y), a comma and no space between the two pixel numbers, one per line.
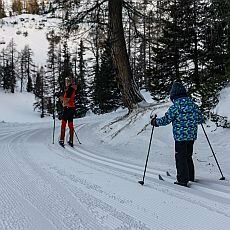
(61,142)
(70,143)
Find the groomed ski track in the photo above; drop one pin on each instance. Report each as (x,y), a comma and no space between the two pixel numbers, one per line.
(44,186)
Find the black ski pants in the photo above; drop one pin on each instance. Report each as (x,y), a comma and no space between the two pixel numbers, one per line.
(184,161)
(68,114)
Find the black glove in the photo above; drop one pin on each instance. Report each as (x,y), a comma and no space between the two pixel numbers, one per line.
(153,121)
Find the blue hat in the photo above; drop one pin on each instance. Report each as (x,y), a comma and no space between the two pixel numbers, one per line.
(177,91)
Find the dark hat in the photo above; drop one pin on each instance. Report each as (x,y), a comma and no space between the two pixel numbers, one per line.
(177,91)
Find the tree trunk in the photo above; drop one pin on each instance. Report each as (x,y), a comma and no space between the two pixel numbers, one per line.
(127,84)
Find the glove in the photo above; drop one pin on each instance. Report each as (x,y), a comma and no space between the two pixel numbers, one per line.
(153,121)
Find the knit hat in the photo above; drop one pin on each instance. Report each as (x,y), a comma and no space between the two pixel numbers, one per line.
(177,91)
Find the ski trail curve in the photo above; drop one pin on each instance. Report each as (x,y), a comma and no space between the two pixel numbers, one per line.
(47,187)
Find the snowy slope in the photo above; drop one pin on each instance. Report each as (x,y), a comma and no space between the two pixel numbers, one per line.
(222,108)
(36,27)
(18,108)
(94,185)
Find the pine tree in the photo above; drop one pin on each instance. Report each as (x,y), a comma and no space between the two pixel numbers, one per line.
(2,10)
(64,71)
(32,6)
(27,67)
(166,59)
(81,99)
(2,67)
(178,50)
(53,71)
(216,50)
(11,58)
(22,69)
(65,67)
(141,42)
(17,6)
(106,95)
(39,91)
(6,79)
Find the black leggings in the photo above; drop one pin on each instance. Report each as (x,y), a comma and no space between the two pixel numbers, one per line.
(184,162)
(68,114)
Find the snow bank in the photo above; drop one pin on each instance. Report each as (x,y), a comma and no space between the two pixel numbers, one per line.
(18,107)
(222,107)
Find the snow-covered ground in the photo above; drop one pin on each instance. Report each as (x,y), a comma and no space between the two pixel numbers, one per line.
(222,108)
(95,184)
(31,30)
(28,29)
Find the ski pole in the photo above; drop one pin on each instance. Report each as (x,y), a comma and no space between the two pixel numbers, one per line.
(76,136)
(54,123)
(222,178)
(150,141)
(53,128)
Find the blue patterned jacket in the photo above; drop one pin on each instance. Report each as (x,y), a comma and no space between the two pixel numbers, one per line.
(185,117)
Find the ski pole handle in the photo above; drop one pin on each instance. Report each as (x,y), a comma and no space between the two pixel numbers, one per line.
(153,116)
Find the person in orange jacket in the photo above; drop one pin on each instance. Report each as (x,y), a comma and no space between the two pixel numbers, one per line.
(68,104)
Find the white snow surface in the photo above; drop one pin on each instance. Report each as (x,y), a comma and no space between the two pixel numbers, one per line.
(222,108)
(95,184)
(36,27)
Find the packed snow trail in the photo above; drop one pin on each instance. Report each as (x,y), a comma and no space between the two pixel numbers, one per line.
(44,186)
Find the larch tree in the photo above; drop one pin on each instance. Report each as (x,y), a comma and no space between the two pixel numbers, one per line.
(2,10)
(127,85)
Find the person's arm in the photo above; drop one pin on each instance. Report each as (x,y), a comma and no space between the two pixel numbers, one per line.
(74,86)
(61,99)
(167,118)
(200,116)
(69,93)
(65,102)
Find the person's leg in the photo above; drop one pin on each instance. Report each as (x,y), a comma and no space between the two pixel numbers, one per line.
(62,135)
(190,161)
(63,126)
(71,132)
(181,162)
(70,124)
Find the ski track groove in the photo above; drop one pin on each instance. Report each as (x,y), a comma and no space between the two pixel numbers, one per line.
(62,214)
(8,211)
(151,173)
(206,205)
(11,182)
(111,199)
(103,201)
(154,205)
(70,218)
(98,200)
(207,202)
(21,185)
(118,216)
(212,189)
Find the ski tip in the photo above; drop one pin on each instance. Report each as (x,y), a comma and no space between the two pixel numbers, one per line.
(62,145)
(160,177)
(70,144)
(167,173)
(141,182)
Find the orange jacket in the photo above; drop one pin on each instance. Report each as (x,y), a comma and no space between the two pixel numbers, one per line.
(70,100)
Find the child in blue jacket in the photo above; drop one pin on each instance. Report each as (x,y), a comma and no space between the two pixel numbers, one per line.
(185,116)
